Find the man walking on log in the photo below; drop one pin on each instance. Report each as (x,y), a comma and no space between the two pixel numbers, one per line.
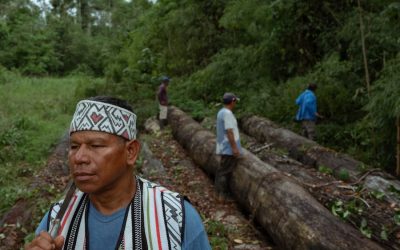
(108,207)
(307,113)
(228,144)
(162,97)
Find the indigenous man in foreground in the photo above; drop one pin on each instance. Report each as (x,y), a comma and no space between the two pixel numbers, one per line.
(112,208)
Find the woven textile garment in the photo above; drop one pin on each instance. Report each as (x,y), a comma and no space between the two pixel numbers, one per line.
(154,210)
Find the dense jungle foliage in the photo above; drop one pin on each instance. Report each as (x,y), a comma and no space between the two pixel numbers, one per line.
(266,51)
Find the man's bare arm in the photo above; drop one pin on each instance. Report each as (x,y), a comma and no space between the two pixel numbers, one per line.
(231,139)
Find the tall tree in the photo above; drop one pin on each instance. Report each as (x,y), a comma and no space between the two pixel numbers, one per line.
(364,50)
(84,12)
(28,45)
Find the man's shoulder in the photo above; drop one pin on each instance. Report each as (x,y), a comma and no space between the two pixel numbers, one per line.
(195,236)
(224,111)
(147,184)
(229,114)
(221,111)
(223,114)
(161,87)
(310,92)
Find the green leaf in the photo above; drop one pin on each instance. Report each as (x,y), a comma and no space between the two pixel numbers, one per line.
(364,223)
(377,194)
(366,231)
(397,219)
(384,234)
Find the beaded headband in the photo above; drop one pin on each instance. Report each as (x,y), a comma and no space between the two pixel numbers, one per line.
(104,117)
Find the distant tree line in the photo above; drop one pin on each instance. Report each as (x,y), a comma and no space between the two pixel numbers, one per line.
(63,37)
(267,51)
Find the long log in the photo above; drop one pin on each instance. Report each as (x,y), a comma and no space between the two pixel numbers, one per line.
(290,215)
(311,153)
(324,188)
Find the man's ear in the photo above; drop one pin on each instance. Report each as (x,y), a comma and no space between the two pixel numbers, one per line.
(133,150)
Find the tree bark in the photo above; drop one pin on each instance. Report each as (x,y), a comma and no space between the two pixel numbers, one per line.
(290,215)
(310,153)
(84,11)
(398,147)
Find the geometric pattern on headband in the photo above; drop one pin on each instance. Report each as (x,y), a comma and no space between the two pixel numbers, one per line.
(104,117)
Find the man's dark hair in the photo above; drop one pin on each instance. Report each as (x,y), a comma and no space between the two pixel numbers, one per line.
(312,86)
(112,100)
(165,79)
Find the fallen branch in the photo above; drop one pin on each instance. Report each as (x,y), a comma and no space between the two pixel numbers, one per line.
(266,146)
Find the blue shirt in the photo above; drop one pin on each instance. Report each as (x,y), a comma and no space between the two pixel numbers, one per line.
(104,230)
(226,120)
(307,102)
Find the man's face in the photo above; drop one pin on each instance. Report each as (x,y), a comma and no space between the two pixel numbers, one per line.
(100,162)
(232,105)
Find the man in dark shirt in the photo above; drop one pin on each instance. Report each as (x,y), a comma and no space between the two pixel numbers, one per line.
(163,101)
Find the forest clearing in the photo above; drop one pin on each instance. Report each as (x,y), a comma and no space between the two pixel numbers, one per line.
(338,188)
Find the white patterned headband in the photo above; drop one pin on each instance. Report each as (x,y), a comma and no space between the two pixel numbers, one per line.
(104,117)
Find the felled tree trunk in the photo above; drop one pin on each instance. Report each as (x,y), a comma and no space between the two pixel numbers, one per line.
(310,153)
(290,215)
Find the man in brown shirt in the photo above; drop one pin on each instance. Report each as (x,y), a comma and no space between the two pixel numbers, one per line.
(162,96)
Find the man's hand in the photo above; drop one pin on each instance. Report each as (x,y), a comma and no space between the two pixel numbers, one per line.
(44,242)
(236,152)
(231,139)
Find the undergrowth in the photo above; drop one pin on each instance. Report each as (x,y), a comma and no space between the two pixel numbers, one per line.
(35,114)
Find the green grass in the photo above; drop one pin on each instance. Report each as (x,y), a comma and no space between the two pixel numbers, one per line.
(35,113)
(217,234)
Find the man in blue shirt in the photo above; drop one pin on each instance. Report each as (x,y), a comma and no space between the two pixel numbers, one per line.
(109,207)
(228,144)
(307,113)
